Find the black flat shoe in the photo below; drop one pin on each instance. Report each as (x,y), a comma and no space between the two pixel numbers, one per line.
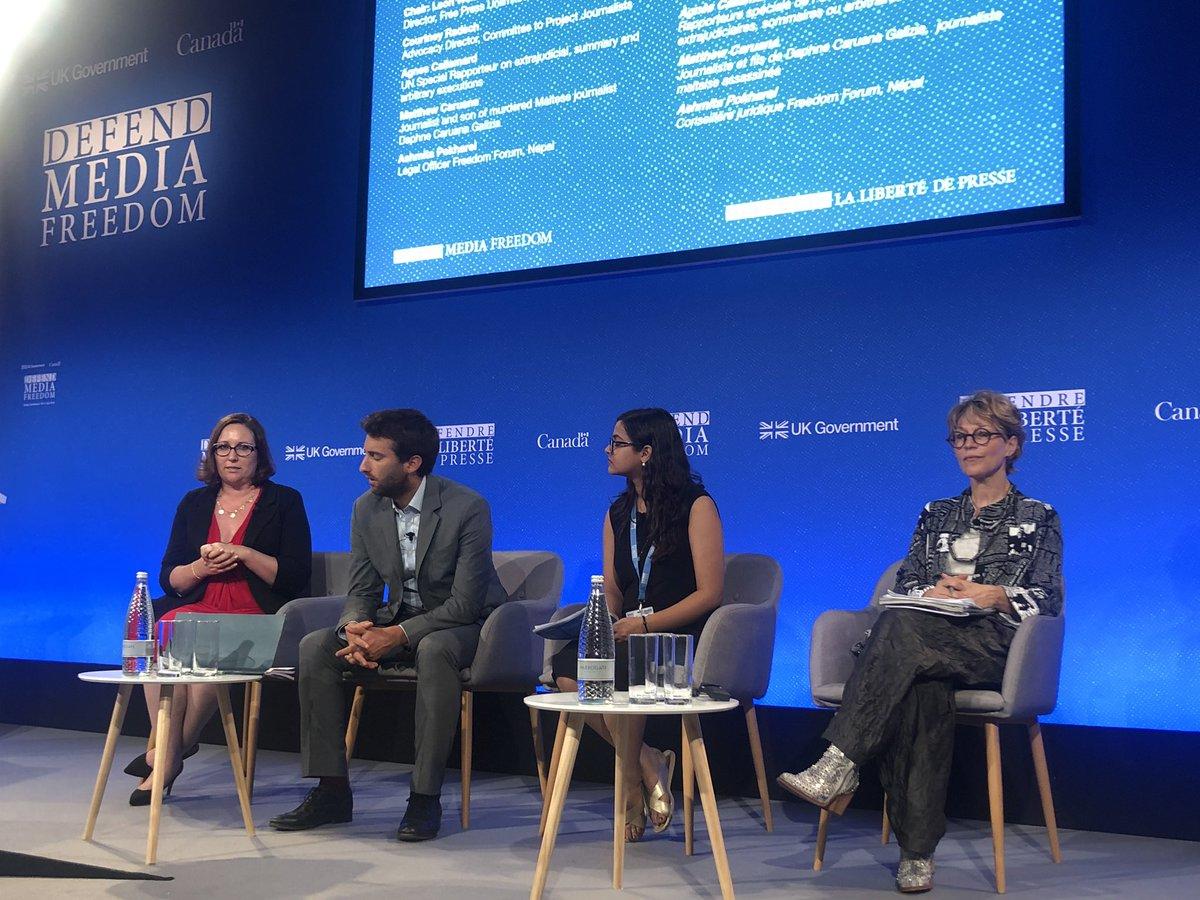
(421,820)
(322,806)
(141,797)
(139,768)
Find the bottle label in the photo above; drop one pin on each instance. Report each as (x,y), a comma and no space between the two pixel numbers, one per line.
(137,648)
(596,669)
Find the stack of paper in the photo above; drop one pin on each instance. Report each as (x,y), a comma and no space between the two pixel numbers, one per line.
(566,628)
(941,606)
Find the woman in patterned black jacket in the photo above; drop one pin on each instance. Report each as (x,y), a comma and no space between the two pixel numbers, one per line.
(990,544)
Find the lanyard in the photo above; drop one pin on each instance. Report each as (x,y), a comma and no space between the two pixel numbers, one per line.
(644,571)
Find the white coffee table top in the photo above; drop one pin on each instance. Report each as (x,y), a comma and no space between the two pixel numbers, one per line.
(116,676)
(569,702)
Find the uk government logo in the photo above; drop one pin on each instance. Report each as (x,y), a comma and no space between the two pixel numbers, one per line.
(39,384)
(301,452)
(786,429)
(693,430)
(467,445)
(1051,417)
(42,81)
(458,445)
(116,173)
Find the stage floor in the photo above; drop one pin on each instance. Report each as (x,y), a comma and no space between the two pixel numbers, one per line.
(46,777)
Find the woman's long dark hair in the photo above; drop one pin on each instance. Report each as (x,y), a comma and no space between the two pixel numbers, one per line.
(666,478)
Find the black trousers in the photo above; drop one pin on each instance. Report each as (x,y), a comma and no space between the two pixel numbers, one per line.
(898,709)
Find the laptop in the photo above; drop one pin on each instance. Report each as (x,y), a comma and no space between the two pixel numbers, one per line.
(246,644)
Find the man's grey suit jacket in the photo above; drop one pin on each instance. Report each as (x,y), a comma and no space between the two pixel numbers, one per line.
(456,579)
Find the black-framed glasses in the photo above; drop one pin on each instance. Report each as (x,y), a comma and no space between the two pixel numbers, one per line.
(222,449)
(978,437)
(615,445)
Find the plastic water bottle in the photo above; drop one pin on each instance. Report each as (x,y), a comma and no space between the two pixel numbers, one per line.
(137,650)
(597,649)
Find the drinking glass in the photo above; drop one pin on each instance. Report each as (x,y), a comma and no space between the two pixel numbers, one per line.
(679,677)
(666,660)
(171,661)
(644,652)
(206,647)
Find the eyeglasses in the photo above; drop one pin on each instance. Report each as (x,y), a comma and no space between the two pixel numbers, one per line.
(222,449)
(614,445)
(979,437)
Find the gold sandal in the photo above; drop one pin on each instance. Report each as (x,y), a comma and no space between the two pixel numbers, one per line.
(635,817)
(659,799)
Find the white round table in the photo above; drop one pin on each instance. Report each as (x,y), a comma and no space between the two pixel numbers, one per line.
(571,719)
(125,685)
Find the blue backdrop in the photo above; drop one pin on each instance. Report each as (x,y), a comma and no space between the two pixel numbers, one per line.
(119,349)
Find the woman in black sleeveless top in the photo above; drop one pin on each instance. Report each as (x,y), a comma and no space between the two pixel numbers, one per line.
(680,553)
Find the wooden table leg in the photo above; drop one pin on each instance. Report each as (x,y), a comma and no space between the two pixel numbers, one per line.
(708,799)
(166,696)
(555,754)
(250,751)
(689,794)
(246,700)
(231,741)
(106,758)
(620,736)
(539,749)
(562,781)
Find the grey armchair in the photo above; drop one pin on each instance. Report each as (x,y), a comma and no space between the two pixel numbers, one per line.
(734,651)
(1029,690)
(508,658)
(330,574)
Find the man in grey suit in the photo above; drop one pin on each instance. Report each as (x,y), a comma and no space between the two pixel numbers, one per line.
(429,541)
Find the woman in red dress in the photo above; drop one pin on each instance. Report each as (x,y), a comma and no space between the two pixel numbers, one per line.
(240,544)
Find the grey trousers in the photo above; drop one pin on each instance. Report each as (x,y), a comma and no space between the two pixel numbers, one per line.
(438,658)
(898,709)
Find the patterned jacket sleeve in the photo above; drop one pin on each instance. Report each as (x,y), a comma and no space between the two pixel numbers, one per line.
(916,573)
(1040,591)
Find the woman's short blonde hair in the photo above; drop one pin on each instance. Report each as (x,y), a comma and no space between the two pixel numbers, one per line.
(993,407)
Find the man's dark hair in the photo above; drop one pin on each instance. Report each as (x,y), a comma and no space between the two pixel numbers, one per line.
(411,434)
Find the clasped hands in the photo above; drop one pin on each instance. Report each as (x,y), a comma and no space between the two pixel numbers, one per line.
(366,643)
(961,587)
(216,558)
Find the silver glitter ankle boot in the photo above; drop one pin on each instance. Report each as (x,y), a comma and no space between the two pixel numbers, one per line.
(915,876)
(829,783)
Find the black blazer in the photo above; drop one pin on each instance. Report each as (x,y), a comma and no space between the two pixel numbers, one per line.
(278,527)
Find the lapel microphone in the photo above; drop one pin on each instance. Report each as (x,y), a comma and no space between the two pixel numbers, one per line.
(411,535)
